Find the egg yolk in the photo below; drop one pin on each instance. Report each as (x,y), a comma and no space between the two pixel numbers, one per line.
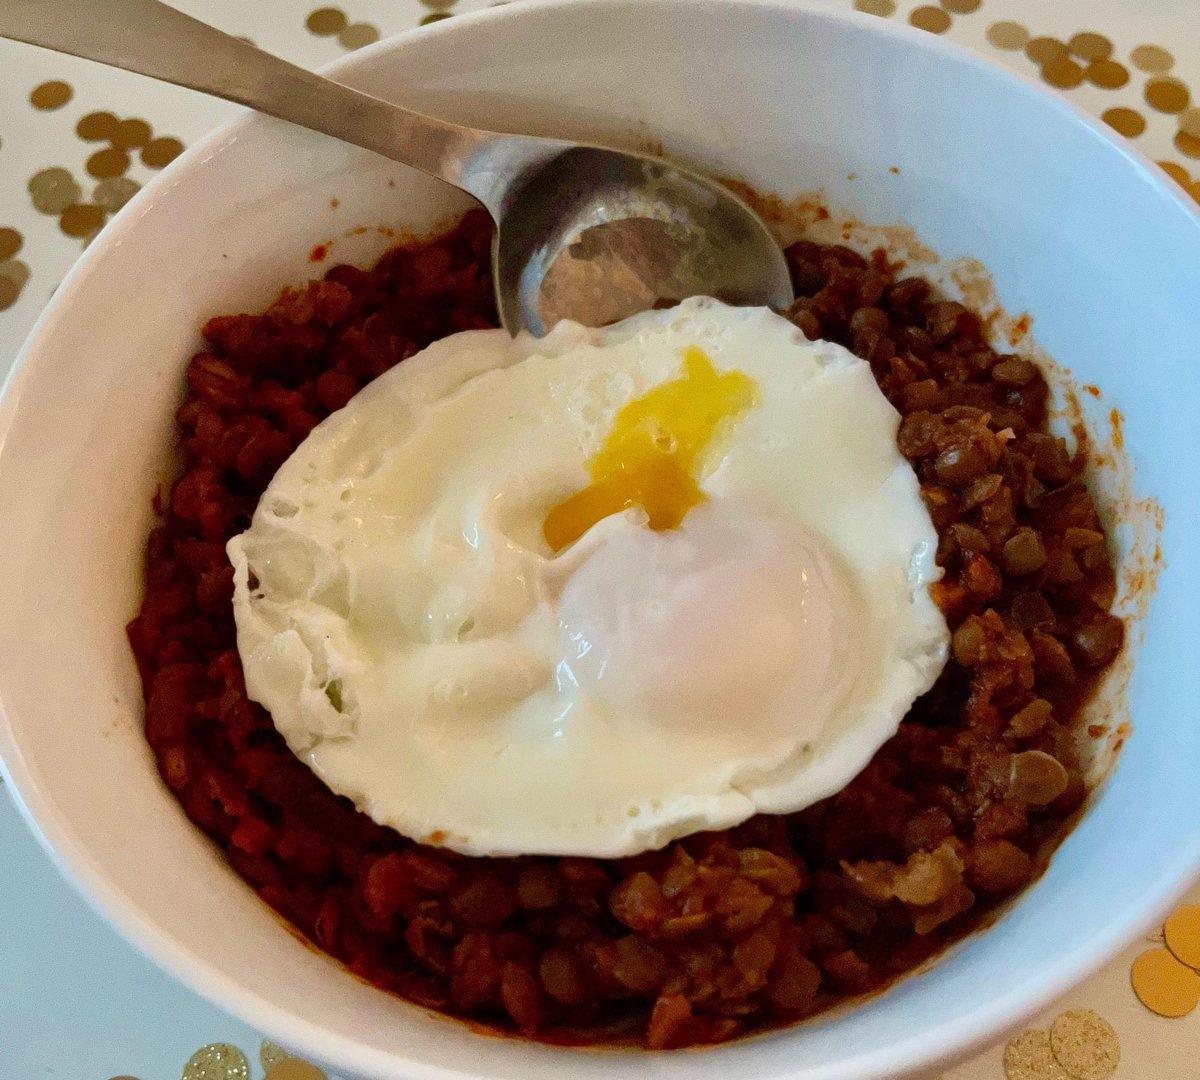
(653,456)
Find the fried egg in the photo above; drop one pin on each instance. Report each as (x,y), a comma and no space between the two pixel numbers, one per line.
(585,594)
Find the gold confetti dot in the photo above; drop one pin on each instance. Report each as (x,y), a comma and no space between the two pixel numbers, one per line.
(1089,46)
(1084,1044)
(1063,73)
(1189,122)
(1167,94)
(295,1069)
(51,95)
(1152,58)
(82,219)
(325,22)
(108,162)
(1107,74)
(130,134)
(935,20)
(1188,145)
(962,7)
(115,193)
(1176,172)
(434,16)
(1029,1057)
(13,276)
(10,292)
(217,1061)
(1182,929)
(883,8)
(1008,35)
(1194,192)
(1129,122)
(1180,175)
(53,190)
(1164,985)
(10,243)
(122,1078)
(96,126)
(357,35)
(1043,50)
(441,5)
(16,271)
(158,153)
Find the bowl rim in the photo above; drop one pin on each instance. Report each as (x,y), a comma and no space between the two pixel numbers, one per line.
(919,1050)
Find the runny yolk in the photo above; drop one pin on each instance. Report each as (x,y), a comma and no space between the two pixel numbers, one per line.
(654,454)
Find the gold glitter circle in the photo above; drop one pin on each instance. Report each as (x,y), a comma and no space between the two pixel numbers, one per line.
(295,1069)
(1129,122)
(1189,122)
(1152,58)
(432,17)
(158,153)
(962,7)
(1107,74)
(1008,35)
(1085,1044)
(82,219)
(271,1054)
(441,5)
(130,134)
(53,190)
(933,19)
(96,126)
(883,8)
(107,163)
(51,95)
(1029,1057)
(357,35)
(1164,985)
(1188,145)
(1167,94)
(217,1061)
(1064,73)
(114,193)
(10,243)
(1043,50)
(325,22)
(1089,46)
(1182,928)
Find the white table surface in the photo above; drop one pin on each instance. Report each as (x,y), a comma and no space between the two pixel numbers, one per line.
(76,1001)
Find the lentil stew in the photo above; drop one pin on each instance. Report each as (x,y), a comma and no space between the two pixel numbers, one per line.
(720,933)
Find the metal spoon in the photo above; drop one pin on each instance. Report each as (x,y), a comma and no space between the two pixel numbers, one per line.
(582,232)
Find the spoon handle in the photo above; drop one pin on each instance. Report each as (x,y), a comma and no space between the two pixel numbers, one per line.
(152,38)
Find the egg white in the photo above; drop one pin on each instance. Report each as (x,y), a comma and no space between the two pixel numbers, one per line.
(422,649)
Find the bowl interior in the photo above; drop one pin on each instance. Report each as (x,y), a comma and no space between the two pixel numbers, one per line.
(1103,253)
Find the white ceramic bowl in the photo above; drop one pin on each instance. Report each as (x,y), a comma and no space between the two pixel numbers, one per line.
(1074,227)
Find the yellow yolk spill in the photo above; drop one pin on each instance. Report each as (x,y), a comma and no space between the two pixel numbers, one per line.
(652,456)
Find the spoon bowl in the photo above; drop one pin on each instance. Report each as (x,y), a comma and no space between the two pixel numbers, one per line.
(595,236)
